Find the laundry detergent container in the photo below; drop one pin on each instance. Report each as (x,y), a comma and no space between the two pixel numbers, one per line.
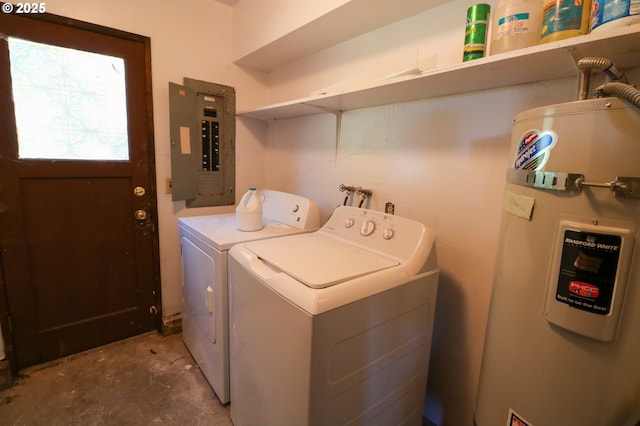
(249,211)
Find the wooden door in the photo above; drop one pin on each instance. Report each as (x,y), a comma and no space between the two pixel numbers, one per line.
(79,247)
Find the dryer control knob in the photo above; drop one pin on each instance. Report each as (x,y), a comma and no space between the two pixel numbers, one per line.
(388,234)
(367,227)
(349,223)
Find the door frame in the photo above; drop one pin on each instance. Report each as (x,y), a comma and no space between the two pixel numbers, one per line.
(5,320)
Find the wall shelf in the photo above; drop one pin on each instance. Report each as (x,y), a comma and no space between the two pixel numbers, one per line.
(353,18)
(532,64)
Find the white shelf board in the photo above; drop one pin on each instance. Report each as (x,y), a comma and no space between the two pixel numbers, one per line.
(536,63)
(354,18)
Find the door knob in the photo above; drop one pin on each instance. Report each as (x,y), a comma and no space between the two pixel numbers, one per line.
(140,214)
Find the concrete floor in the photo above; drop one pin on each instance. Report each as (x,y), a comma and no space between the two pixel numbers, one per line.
(146,380)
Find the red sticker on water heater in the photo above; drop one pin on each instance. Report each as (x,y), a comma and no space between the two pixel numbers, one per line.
(516,419)
(584,289)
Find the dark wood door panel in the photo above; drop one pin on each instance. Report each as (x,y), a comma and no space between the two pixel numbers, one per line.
(79,269)
(66,218)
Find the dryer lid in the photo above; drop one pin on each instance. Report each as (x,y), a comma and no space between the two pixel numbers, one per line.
(319,261)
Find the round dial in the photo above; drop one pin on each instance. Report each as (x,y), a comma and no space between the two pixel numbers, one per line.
(388,234)
(349,223)
(367,228)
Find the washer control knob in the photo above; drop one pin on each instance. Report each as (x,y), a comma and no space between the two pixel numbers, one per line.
(388,234)
(349,223)
(367,228)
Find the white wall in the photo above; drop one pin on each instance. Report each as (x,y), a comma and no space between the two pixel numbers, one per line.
(188,39)
(440,161)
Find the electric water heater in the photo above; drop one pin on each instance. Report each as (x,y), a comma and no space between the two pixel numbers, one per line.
(563,336)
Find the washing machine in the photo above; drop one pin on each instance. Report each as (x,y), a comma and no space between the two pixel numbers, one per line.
(333,327)
(204,245)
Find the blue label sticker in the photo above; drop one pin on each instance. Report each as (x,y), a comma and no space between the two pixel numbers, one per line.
(534,149)
(513,18)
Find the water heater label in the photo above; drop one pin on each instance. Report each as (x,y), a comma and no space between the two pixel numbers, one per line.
(516,419)
(588,269)
(534,149)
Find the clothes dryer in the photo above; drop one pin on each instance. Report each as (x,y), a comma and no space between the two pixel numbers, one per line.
(204,245)
(333,327)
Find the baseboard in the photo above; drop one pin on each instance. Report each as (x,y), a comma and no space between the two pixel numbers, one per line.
(171,325)
(6,379)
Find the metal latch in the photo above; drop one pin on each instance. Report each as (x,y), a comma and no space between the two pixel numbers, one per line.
(572,182)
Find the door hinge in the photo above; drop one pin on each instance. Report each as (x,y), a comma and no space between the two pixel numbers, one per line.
(10,323)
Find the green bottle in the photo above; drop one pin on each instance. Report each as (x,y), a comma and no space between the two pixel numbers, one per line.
(475,35)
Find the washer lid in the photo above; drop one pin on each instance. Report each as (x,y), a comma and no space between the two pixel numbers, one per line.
(319,261)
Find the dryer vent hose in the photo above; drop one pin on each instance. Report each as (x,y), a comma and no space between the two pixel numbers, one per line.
(621,90)
(585,65)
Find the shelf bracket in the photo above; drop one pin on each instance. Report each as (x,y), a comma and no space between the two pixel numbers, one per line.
(338,115)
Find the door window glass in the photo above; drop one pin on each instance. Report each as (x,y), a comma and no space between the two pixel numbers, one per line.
(69,104)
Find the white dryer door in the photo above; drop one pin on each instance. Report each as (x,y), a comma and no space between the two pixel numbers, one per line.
(198,274)
(318,261)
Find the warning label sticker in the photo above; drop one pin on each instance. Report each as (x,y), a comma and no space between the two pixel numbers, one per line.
(588,268)
(516,420)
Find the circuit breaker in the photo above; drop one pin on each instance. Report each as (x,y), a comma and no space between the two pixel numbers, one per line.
(202,122)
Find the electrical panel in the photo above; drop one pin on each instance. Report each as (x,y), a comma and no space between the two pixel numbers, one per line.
(202,122)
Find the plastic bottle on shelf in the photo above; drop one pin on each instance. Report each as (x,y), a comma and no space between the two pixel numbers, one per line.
(607,14)
(515,24)
(475,34)
(562,19)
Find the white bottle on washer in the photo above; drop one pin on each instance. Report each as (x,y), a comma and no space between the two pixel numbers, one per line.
(515,24)
(249,211)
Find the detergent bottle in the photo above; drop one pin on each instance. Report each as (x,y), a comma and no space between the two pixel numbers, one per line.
(516,24)
(563,19)
(249,211)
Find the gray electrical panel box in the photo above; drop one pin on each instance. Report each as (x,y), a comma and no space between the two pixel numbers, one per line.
(202,122)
